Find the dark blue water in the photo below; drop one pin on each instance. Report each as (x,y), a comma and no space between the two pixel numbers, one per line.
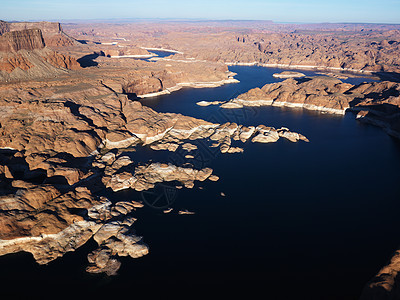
(249,77)
(155,53)
(160,53)
(299,221)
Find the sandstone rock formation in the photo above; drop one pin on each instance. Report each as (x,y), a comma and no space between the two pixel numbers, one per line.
(379,101)
(24,55)
(384,285)
(58,149)
(174,77)
(53,34)
(28,39)
(107,224)
(145,177)
(65,138)
(288,74)
(318,93)
(359,47)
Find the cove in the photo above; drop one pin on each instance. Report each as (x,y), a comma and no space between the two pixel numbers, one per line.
(298,221)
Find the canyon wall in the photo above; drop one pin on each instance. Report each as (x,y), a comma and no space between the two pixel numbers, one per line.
(27,39)
(52,32)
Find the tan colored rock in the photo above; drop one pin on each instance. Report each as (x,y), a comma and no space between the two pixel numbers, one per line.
(213,178)
(186,212)
(288,74)
(235,150)
(189,147)
(145,177)
(164,146)
(384,285)
(27,39)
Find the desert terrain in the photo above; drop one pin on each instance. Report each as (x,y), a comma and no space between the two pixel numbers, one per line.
(69,108)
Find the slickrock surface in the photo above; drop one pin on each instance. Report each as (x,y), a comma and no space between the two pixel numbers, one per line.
(24,55)
(378,102)
(28,39)
(145,177)
(317,93)
(66,123)
(53,34)
(53,229)
(58,150)
(288,74)
(357,47)
(385,284)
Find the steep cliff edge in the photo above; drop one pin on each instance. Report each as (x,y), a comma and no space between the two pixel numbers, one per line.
(24,55)
(27,39)
(59,148)
(4,27)
(385,284)
(53,34)
(377,103)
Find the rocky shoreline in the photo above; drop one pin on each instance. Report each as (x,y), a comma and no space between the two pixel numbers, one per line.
(205,84)
(376,103)
(288,74)
(162,49)
(51,179)
(67,123)
(301,67)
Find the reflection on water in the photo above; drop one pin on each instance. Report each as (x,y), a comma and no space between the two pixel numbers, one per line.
(161,196)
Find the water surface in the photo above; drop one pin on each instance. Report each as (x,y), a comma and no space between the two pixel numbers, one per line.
(298,220)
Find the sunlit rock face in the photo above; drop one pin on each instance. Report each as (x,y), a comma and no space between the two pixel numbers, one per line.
(384,285)
(53,34)
(64,144)
(377,102)
(28,39)
(24,52)
(64,140)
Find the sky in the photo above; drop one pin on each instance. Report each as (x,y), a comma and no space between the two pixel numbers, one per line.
(298,11)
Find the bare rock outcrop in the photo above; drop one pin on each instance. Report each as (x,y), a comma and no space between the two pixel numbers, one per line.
(321,93)
(65,138)
(107,224)
(27,39)
(57,149)
(24,55)
(52,32)
(176,76)
(378,101)
(288,74)
(60,60)
(384,285)
(144,177)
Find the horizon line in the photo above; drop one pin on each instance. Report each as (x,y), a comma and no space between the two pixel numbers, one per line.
(193,20)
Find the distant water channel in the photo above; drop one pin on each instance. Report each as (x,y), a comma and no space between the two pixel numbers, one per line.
(298,220)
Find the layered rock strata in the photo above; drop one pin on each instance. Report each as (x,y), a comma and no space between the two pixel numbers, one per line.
(24,55)
(59,148)
(53,34)
(318,93)
(62,138)
(377,103)
(28,39)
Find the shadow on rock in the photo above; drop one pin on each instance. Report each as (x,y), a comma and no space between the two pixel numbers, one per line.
(88,60)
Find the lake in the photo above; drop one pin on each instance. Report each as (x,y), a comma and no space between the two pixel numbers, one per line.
(298,220)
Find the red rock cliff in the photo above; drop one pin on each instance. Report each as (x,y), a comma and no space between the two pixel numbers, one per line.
(45,27)
(4,27)
(52,32)
(28,39)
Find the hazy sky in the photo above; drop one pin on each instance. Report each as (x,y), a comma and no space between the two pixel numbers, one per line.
(378,11)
